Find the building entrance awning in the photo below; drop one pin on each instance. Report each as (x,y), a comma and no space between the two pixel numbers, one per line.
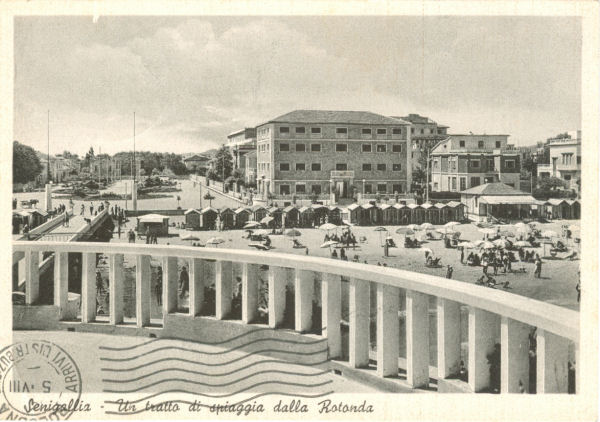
(509,200)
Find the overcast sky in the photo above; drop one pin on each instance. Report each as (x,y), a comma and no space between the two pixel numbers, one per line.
(191,81)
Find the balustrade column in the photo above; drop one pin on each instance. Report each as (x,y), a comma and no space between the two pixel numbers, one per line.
(514,362)
(448,337)
(116,288)
(359,323)
(417,339)
(303,296)
(197,271)
(223,288)
(249,292)
(277,283)
(61,282)
(388,330)
(331,289)
(88,287)
(483,331)
(32,277)
(142,291)
(170,288)
(552,363)
(577,369)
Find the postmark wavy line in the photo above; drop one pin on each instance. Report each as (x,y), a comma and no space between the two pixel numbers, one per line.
(187,349)
(304,396)
(225,373)
(275,371)
(289,384)
(215,343)
(160,349)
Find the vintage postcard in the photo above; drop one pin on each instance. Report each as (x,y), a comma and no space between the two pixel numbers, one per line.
(283,211)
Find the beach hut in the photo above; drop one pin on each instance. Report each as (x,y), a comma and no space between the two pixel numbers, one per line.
(192,218)
(432,213)
(290,216)
(456,211)
(306,217)
(208,218)
(320,213)
(334,215)
(276,213)
(228,218)
(370,215)
(242,216)
(417,214)
(353,214)
(258,212)
(558,208)
(575,208)
(401,214)
(387,214)
(442,211)
(156,223)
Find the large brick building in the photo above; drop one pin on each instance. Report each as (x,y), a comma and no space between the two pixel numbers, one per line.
(307,152)
(461,162)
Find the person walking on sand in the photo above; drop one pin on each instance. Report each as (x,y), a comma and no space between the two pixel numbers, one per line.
(538,268)
(462,255)
(82,210)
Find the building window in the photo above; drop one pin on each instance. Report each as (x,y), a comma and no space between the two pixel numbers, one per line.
(366,147)
(474,181)
(300,129)
(397,167)
(366,167)
(422,131)
(315,147)
(300,188)
(284,129)
(397,131)
(412,130)
(475,164)
(435,186)
(397,188)
(578,159)
(497,144)
(436,164)
(480,144)
(440,131)
(341,148)
(284,147)
(300,166)
(382,131)
(461,144)
(510,164)
(381,167)
(284,166)
(300,147)
(454,184)
(315,130)
(316,189)
(368,188)
(396,148)
(381,188)
(366,131)
(284,189)
(341,166)
(381,148)
(341,130)
(315,166)
(489,164)
(463,183)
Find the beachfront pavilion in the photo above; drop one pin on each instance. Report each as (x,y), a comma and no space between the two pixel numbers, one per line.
(497,201)
(156,223)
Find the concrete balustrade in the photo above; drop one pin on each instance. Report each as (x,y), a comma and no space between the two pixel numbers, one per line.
(494,317)
(359,303)
(304,286)
(197,271)
(223,288)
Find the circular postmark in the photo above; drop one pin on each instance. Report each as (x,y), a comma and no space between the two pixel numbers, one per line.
(38,380)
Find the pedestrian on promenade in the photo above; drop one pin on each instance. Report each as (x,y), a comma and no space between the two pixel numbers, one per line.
(462,255)
(82,210)
(538,268)
(91,209)
(66,220)
(449,271)
(159,285)
(184,282)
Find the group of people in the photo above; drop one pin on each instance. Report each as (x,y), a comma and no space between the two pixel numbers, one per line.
(100,208)
(151,237)
(347,238)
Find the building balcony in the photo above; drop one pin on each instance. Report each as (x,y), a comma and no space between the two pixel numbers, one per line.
(345,174)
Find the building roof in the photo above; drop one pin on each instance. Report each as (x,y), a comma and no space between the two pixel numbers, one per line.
(337,116)
(493,189)
(152,218)
(418,119)
(509,199)
(191,210)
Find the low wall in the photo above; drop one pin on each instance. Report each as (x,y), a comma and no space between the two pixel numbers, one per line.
(137,213)
(40,317)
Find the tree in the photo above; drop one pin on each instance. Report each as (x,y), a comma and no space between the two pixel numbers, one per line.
(419,175)
(209,198)
(552,183)
(222,163)
(26,164)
